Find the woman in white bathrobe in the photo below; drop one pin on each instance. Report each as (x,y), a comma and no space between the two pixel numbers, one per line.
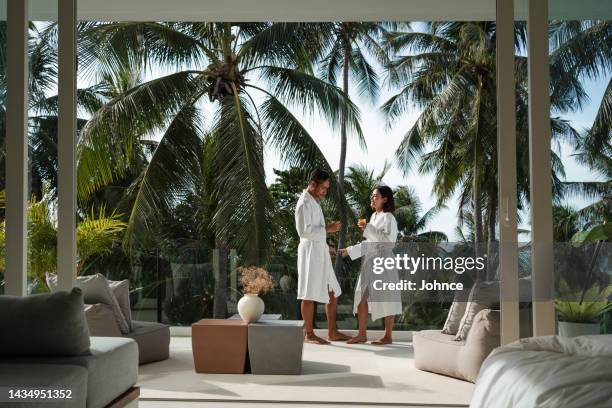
(382,228)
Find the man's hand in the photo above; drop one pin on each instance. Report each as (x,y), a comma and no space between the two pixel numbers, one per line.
(332,251)
(333,227)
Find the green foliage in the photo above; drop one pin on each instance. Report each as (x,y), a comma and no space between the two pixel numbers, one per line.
(599,233)
(595,303)
(2,247)
(96,235)
(42,240)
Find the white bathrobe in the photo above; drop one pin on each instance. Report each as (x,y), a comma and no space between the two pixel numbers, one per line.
(381,228)
(316,275)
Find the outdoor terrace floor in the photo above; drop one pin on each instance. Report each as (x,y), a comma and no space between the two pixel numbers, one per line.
(339,374)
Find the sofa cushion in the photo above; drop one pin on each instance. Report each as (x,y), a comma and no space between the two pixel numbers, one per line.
(112,368)
(101,321)
(121,290)
(96,289)
(153,341)
(72,378)
(49,324)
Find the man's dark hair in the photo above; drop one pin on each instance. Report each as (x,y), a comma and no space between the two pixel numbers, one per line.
(318,176)
(386,192)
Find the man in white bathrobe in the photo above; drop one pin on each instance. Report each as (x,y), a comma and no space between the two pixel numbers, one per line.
(316,278)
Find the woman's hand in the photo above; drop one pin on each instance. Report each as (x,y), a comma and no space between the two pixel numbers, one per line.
(333,227)
(342,252)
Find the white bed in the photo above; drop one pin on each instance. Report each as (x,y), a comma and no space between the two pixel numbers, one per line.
(547,371)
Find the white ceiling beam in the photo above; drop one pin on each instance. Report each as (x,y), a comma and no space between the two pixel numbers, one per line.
(310,10)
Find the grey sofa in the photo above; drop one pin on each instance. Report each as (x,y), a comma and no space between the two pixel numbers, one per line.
(46,343)
(153,339)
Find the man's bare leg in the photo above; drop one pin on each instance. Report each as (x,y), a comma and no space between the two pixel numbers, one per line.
(388,337)
(362,316)
(332,328)
(307,307)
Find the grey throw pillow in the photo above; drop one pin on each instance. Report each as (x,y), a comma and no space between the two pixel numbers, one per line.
(49,324)
(96,289)
(121,290)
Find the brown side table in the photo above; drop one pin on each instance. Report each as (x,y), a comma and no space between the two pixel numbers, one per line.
(219,346)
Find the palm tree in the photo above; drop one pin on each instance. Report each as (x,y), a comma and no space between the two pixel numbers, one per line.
(448,70)
(412,224)
(583,50)
(360,181)
(345,51)
(212,64)
(411,221)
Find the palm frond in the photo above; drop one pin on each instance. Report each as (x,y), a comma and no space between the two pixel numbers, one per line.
(169,176)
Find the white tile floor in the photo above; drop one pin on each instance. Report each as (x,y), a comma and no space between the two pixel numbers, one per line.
(340,374)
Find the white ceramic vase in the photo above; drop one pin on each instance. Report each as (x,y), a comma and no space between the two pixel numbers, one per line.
(250,307)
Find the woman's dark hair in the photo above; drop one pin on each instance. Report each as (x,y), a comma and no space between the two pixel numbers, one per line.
(318,176)
(386,192)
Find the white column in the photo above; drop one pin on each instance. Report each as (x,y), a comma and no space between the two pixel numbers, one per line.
(16,147)
(506,164)
(66,145)
(540,169)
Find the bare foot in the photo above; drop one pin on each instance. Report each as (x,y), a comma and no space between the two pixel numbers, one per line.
(383,340)
(314,339)
(337,336)
(358,339)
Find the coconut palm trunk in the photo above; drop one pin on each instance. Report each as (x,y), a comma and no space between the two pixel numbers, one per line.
(342,164)
(478,234)
(491,247)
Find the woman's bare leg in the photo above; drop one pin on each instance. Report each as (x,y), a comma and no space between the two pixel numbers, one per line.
(388,337)
(362,317)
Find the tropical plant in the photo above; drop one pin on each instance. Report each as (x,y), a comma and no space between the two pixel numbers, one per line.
(212,64)
(97,233)
(412,223)
(449,71)
(584,311)
(347,49)
(285,192)
(596,234)
(566,223)
(360,181)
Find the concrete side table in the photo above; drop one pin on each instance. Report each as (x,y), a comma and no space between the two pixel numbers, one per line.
(219,346)
(275,346)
